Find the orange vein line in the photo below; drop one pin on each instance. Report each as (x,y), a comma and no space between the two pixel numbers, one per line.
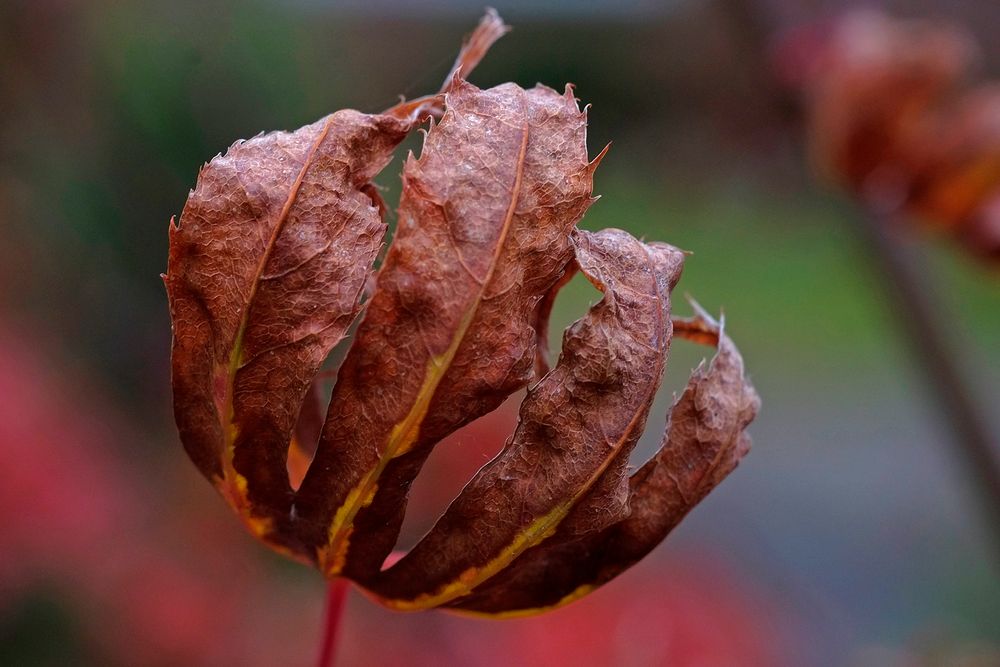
(237,352)
(415,417)
(541,527)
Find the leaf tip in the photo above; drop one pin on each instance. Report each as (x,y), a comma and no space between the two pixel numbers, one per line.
(595,163)
(570,97)
(699,310)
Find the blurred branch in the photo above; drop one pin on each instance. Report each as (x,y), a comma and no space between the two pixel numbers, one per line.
(909,298)
(918,322)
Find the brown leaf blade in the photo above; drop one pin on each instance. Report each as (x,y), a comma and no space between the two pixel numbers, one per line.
(265,274)
(264,277)
(483,234)
(576,429)
(269,265)
(704,442)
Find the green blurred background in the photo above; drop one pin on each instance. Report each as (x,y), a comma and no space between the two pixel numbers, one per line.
(847,537)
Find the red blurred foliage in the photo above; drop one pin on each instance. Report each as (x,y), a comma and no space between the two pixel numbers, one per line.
(57,499)
(892,119)
(77,516)
(689,609)
(453,462)
(113,532)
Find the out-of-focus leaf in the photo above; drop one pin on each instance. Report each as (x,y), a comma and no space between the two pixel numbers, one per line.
(890,121)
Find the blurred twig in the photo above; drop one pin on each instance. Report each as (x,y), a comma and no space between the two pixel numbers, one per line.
(919,323)
(909,298)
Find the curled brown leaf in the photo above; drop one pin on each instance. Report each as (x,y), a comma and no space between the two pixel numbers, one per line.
(483,234)
(576,429)
(704,441)
(269,267)
(265,275)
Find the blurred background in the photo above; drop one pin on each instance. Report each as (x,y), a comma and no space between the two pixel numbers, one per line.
(848,536)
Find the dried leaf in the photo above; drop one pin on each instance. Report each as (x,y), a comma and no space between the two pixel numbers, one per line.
(265,275)
(576,429)
(483,234)
(269,267)
(703,443)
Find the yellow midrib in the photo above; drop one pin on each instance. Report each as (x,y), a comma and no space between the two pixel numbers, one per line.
(572,596)
(539,529)
(234,484)
(333,555)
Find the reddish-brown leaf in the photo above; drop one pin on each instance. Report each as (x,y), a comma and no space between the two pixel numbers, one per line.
(483,235)
(268,269)
(576,429)
(265,275)
(703,443)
